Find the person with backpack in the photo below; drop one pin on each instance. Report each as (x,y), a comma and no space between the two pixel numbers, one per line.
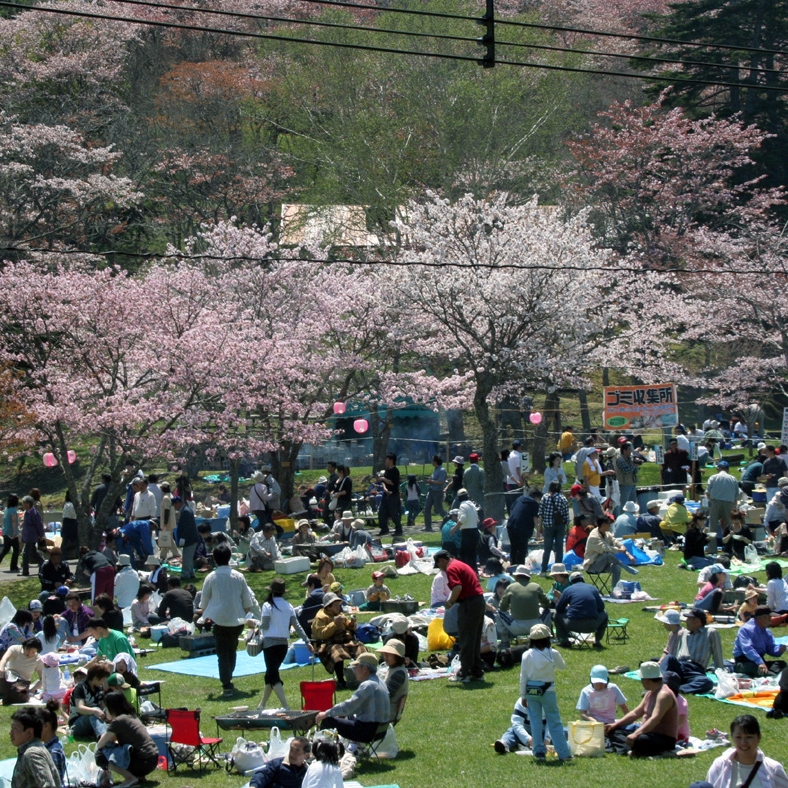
(554,514)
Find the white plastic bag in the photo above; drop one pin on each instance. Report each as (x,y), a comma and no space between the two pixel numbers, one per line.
(179,625)
(388,748)
(412,549)
(751,554)
(246,756)
(7,611)
(727,684)
(454,668)
(277,747)
(361,556)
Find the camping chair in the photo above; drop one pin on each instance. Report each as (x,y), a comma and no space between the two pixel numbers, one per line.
(318,695)
(185,731)
(145,690)
(617,630)
(602,581)
(400,710)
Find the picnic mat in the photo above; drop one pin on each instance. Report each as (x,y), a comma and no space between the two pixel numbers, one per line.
(746,569)
(208,667)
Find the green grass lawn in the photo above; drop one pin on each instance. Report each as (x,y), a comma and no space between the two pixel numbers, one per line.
(446,734)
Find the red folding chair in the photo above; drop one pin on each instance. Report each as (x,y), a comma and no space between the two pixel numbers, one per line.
(185,730)
(318,695)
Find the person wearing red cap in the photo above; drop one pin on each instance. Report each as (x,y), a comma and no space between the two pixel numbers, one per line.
(488,542)
(473,481)
(376,594)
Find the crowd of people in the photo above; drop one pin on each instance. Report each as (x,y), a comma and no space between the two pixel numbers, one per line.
(156,526)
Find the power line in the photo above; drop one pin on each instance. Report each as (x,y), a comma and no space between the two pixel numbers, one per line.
(288,20)
(560,28)
(397,263)
(388,50)
(437,36)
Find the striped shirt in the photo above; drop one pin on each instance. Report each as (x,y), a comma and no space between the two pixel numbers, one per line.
(700,646)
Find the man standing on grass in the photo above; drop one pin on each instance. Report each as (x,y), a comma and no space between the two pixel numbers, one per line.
(226,600)
(466,592)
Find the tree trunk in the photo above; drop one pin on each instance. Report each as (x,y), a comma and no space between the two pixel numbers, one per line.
(283,465)
(234,498)
(380,427)
(584,417)
(540,433)
(493,478)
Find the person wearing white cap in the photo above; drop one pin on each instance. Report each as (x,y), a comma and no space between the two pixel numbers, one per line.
(520,606)
(775,512)
(343,527)
(259,496)
(455,485)
(658,709)
(127,582)
(599,699)
(468,526)
(690,651)
(537,692)
(626,523)
(649,521)
(359,716)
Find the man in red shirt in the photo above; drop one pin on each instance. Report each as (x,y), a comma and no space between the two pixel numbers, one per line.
(466,592)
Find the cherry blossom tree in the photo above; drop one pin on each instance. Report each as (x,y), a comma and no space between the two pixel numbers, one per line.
(58,191)
(519,309)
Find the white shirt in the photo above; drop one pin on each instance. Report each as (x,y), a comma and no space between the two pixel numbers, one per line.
(157,494)
(515,461)
(440,590)
(144,506)
(468,517)
(683,442)
(777,595)
(127,584)
(323,775)
(226,598)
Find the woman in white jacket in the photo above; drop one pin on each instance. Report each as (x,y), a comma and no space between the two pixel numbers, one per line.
(745,764)
(537,692)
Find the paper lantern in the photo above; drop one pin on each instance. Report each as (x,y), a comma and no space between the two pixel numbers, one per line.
(50,461)
(72,456)
(339,408)
(360,425)
(535,418)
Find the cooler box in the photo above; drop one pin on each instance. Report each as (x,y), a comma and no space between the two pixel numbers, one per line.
(291,566)
(198,645)
(157,631)
(755,515)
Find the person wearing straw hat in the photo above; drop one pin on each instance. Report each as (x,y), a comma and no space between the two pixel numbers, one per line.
(336,635)
(626,523)
(520,606)
(305,541)
(659,711)
(157,574)
(397,678)
(748,607)
(537,692)
(560,577)
(368,707)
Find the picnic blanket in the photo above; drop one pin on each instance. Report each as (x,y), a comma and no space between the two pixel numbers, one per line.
(746,569)
(640,601)
(754,699)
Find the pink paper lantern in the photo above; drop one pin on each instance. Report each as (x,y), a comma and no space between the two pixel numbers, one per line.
(360,425)
(72,456)
(339,408)
(535,418)
(50,461)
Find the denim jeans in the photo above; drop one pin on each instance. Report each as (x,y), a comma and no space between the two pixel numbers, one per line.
(553,540)
(547,704)
(88,725)
(696,562)
(512,739)
(434,501)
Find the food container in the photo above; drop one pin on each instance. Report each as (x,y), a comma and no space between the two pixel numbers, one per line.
(405,606)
